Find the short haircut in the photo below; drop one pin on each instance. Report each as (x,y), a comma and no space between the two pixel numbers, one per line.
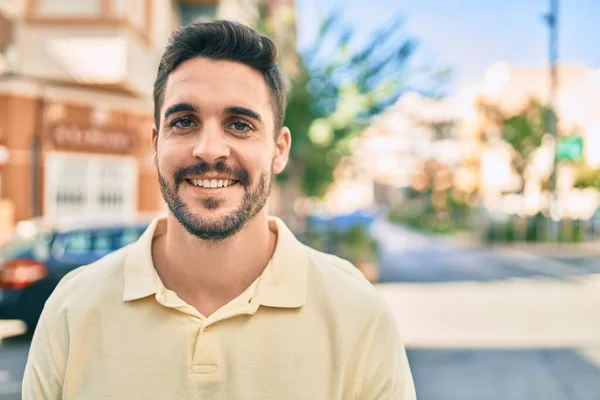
(222,40)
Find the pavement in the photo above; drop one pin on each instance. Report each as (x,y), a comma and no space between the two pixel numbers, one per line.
(510,314)
(479,323)
(9,328)
(522,339)
(508,374)
(492,323)
(13,356)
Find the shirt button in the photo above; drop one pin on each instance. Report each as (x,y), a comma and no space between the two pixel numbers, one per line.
(207,328)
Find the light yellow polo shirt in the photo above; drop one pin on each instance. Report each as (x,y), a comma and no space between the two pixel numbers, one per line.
(310,327)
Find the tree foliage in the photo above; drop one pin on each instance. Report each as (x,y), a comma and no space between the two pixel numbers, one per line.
(524,131)
(586,176)
(339,85)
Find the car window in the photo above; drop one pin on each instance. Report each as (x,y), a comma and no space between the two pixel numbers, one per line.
(89,245)
(127,236)
(77,243)
(103,242)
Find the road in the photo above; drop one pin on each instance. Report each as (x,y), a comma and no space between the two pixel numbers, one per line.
(407,256)
(503,374)
(479,323)
(13,355)
(487,324)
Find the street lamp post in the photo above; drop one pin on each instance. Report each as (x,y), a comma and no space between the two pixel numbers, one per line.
(552,20)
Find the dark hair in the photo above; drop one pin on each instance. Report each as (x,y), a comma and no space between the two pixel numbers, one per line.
(222,40)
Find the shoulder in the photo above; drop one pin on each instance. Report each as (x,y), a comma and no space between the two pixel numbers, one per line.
(101,280)
(340,284)
(334,267)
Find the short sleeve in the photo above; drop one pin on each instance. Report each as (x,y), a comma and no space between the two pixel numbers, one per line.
(386,372)
(43,377)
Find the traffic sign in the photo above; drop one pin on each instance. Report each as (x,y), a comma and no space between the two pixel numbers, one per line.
(570,148)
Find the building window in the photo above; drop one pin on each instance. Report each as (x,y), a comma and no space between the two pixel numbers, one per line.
(92,185)
(67,8)
(136,14)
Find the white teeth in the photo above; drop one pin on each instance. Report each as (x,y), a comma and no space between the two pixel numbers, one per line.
(213,183)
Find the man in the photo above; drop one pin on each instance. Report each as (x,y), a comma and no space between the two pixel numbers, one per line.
(217,300)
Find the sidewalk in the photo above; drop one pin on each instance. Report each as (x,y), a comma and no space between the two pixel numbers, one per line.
(9,328)
(517,314)
(554,250)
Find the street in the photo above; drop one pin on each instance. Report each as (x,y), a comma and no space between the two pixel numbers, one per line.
(408,256)
(485,324)
(479,323)
(13,355)
(503,374)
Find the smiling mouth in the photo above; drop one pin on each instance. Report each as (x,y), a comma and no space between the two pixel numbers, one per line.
(212,183)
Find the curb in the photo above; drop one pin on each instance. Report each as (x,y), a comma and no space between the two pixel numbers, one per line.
(11,327)
(559,250)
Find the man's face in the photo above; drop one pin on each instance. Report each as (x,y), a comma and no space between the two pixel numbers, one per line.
(216,147)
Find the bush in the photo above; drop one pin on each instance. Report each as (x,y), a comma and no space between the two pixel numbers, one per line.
(536,231)
(429,222)
(352,243)
(356,245)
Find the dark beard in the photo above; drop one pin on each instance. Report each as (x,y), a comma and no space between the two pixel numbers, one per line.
(227,225)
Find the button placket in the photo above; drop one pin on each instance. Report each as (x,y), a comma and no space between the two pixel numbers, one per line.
(205,354)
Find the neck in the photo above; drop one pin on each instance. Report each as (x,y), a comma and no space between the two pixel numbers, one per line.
(208,274)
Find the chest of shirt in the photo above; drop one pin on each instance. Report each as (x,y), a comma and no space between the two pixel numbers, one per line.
(273,354)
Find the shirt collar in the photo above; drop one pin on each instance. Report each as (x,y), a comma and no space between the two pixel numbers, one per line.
(282,284)
(141,279)
(284,281)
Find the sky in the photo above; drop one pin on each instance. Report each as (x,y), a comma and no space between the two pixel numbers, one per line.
(470,35)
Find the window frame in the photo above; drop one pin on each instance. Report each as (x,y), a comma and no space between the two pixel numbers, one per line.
(105,18)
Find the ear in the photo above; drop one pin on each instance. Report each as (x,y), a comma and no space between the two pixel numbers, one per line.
(283,142)
(155,145)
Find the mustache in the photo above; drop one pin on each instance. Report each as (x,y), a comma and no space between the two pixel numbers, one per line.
(219,167)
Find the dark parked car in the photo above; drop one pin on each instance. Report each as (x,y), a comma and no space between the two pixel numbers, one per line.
(36,258)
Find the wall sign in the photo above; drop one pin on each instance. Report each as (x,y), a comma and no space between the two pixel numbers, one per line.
(92,139)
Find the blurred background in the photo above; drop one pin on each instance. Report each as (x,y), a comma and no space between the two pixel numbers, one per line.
(450,150)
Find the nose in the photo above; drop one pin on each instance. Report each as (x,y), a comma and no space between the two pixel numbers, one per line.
(211,145)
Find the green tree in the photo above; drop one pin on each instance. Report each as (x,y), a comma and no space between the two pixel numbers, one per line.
(523,131)
(338,86)
(586,176)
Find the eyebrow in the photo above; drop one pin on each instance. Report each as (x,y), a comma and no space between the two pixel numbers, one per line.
(243,111)
(179,107)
